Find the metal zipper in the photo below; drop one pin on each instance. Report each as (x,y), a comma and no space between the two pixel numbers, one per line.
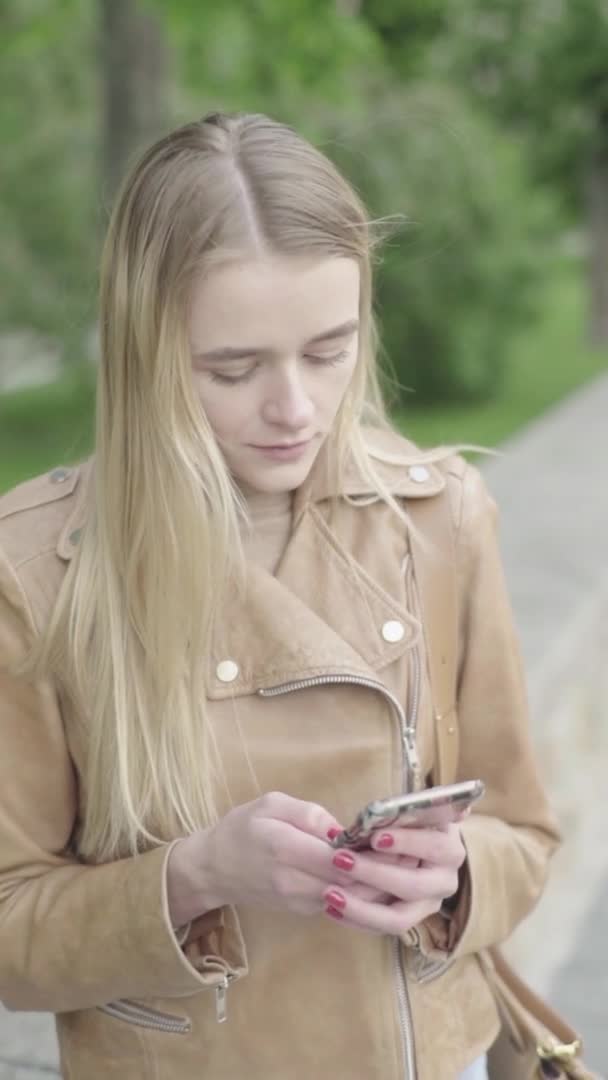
(411,779)
(427,969)
(221,998)
(145,1016)
(411,770)
(405,1011)
(434,969)
(415,677)
(409,731)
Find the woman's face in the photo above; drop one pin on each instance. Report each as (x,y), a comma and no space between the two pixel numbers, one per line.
(274,343)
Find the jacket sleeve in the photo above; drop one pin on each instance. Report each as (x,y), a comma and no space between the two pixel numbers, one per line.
(73,936)
(512,832)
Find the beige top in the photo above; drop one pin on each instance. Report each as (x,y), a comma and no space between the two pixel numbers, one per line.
(270,524)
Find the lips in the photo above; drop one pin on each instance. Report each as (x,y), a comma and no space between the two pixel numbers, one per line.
(281,446)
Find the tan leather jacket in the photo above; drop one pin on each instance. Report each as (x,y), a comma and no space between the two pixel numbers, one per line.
(316,674)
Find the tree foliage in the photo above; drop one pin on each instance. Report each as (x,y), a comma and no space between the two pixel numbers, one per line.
(466,269)
(48,127)
(375,84)
(539,69)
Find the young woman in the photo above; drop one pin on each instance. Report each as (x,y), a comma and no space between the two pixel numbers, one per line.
(213,658)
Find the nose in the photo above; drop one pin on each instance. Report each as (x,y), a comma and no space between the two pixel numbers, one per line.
(287,403)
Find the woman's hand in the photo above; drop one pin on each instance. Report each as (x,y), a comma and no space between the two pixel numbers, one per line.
(418,890)
(273,852)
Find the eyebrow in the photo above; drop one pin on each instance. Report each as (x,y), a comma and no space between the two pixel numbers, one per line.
(227,352)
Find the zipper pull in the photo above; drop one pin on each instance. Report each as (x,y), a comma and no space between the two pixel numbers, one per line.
(221,994)
(411,753)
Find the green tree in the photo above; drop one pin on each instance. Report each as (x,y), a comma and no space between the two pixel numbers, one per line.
(48,127)
(457,281)
(96,78)
(82,88)
(134,83)
(465,272)
(541,70)
(406,31)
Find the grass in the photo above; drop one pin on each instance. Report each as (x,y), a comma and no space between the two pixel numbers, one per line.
(51,425)
(43,426)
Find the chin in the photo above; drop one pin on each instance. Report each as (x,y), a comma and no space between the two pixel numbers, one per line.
(286,478)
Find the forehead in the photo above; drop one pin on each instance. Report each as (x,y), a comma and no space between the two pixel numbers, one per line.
(293,299)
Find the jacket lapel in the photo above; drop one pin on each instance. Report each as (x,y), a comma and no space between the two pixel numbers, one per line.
(321,614)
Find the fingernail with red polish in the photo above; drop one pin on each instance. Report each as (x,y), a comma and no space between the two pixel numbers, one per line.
(335,899)
(385,841)
(335,914)
(343,861)
(332,833)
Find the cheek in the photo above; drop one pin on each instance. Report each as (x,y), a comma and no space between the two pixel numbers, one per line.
(226,407)
(334,385)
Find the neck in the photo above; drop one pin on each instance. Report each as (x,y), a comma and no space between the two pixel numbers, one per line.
(267,504)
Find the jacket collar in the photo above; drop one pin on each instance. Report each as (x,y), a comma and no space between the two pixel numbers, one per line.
(407,475)
(322,615)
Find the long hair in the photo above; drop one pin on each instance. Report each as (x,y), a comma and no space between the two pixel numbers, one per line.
(131,628)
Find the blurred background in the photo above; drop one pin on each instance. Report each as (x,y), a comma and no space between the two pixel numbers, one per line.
(482,126)
(483,123)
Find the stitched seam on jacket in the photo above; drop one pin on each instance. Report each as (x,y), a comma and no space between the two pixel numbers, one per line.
(32,558)
(26,606)
(332,546)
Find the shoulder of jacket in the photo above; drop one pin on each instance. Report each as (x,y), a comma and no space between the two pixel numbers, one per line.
(465,487)
(33,514)
(402,466)
(449,471)
(390,441)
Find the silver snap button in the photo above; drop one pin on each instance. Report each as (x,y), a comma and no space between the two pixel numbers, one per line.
(227,671)
(75,536)
(418,473)
(59,475)
(393,630)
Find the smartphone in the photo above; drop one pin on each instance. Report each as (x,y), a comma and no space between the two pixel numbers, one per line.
(434,807)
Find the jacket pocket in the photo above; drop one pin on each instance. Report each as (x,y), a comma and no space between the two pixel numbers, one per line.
(133,1012)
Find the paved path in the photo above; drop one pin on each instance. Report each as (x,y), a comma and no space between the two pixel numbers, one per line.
(580,990)
(551,488)
(28,1048)
(553,494)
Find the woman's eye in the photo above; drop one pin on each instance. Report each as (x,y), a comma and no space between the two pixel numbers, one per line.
(220,377)
(216,376)
(334,359)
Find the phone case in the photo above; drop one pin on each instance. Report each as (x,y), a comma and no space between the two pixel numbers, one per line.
(431,808)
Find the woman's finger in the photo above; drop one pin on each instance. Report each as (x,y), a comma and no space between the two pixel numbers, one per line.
(368,892)
(394,859)
(434,847)
(405,883)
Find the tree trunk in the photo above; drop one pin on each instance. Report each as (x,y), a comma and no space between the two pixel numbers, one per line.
(597,218)
(134,67)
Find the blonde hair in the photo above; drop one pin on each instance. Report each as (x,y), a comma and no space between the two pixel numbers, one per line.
(131,628)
